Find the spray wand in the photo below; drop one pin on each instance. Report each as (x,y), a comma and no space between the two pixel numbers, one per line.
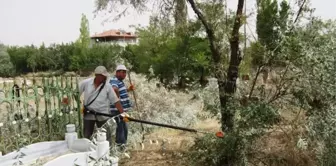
(126,118)
(218,134)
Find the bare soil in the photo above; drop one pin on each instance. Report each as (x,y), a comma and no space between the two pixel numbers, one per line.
(166,147)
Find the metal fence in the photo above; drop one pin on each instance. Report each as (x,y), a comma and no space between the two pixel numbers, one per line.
(33,110)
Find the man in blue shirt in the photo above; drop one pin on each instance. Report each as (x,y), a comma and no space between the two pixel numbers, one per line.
(122,92)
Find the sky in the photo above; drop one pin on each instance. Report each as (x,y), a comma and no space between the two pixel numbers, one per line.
(26,22)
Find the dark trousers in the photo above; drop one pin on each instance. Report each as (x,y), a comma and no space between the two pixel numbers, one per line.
(121,130)
(89,127)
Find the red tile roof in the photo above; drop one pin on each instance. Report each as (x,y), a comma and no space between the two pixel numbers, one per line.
(114,33)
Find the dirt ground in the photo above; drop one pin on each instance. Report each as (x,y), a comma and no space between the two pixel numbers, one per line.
(166,147)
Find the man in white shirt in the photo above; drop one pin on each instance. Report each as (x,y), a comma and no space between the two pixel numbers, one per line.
(98,95)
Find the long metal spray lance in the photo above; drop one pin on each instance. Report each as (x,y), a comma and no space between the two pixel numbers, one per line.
(126,118)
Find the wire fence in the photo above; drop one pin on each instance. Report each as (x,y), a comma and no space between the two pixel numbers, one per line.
(33,110)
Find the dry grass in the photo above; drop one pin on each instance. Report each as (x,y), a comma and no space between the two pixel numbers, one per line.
(166,147)
(279,146)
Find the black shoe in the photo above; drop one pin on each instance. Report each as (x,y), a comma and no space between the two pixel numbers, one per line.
(121,148)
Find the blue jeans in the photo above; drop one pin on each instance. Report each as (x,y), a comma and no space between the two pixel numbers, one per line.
(121,131)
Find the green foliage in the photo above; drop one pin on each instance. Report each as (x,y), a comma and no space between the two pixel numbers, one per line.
(257,52)
(80,58)
(62,53)
(252,121)
(315,84)
(283,16)
(60,57)
(245,65)
(267,21)
(257,115)
(272,26)
(84,38)
(179,55)
(19,57)
(42,58)
(106,55)
(6,66)
(212,151)
(174,60)
(220,19)
(180,17)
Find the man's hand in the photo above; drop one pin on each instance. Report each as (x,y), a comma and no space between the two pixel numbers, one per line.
(124,117)
(124,114)
(131,88)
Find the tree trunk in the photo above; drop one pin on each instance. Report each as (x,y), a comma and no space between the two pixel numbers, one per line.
(232,73)
(181,82)
(203,80)
(227,86)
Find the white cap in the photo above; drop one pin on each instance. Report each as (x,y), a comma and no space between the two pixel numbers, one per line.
(121,67)
(101,70)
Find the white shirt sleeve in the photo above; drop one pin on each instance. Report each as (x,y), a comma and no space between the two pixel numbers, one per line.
(82,85)
(112,96)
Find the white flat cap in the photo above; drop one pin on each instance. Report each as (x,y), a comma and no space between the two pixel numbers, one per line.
(121,67)
(101,70)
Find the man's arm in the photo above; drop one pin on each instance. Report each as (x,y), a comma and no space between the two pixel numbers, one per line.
(119,106)
(114,84)
(114,99)
(116,90)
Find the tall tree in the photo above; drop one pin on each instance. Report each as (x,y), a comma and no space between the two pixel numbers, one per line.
(79,59)
(272,23)
(226,84)
(84,37)
(180,16)
(267,19)
(6,66)
(33,58)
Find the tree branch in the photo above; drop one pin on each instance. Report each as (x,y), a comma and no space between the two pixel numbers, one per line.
(300,11)
(211,35)
(237,23)
(255,80)
(232,73)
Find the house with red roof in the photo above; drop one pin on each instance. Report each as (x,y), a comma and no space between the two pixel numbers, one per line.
(112,36)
